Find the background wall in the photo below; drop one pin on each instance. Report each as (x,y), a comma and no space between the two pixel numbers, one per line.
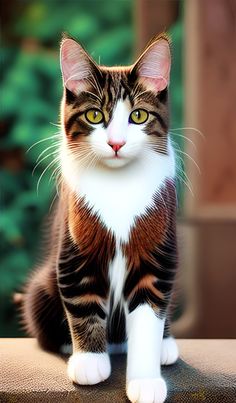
(207,223)
(30,97)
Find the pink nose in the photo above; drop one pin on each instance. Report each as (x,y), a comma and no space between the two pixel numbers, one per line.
(116,146)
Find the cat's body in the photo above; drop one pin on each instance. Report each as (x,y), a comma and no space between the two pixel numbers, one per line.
(112,259)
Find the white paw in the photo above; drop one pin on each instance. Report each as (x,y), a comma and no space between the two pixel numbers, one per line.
(169,351)
(89,368)
(147,390)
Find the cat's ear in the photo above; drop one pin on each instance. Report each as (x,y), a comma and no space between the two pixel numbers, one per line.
(76,66)
(153,66)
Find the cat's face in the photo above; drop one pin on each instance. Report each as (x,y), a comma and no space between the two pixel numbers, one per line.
(113,116)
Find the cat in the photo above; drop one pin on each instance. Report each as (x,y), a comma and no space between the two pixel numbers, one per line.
(108,275)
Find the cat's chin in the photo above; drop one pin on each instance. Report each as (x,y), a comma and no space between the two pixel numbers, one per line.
(115,162)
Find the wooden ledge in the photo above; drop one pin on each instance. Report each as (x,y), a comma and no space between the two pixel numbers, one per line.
(205,372)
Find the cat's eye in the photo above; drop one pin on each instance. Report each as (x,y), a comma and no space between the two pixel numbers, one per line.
(138,116)
(94,116)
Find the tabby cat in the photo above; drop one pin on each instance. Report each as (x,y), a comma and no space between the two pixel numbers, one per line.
(107,278)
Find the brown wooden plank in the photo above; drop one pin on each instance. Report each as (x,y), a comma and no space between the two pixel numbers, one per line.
(154,17)
(218,99)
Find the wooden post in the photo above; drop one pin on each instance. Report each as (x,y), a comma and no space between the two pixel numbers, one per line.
(210,216)
(154,17)
(208,264)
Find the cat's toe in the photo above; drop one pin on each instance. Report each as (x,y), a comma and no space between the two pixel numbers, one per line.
(169,351)
(147,390)
(89,368)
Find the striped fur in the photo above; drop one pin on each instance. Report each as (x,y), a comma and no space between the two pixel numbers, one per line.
(115,256)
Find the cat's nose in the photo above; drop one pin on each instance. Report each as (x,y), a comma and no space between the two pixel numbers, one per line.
(116,146)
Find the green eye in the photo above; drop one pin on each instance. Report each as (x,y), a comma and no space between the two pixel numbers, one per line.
(138,116)
(94,116)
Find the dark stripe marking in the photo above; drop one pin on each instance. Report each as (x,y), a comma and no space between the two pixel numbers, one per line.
(160,119)
(85,310)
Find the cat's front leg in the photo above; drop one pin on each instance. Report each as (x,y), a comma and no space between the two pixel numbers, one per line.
(90,363)
(145,333)
(84,300)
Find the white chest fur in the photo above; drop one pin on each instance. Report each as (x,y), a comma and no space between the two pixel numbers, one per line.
(119,195)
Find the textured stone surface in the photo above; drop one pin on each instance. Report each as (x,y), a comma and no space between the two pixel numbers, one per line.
(205,372)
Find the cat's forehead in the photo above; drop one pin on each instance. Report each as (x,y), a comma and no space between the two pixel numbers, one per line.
(116,87)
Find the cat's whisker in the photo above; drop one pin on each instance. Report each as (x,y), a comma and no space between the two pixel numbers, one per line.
(46,149)
(189,128)
(42,159)
(55,173)
(79,155)
(163,202)
(53,201)
(184,137)
(80,148)
(78,151)
(152,149)
(92,161)
(190,158)
(179,151)
(58,181)
(55,124)
(182,174)
(83,160)
(55,160)
(180,166)
(40,141)
(182,179)
(187,185)
(82,157)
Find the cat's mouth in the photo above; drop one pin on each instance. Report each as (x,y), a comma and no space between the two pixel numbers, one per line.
(115,161)
(116,155)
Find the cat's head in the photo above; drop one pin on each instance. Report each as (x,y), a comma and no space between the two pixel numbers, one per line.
(112,116)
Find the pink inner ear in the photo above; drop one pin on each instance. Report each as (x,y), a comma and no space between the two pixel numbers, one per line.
(156,84)
(74,65)
(154,65)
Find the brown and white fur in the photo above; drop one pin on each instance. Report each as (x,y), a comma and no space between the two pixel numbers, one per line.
(109,272)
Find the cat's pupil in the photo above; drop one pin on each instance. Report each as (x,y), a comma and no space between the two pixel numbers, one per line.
(95,113)
(138,114)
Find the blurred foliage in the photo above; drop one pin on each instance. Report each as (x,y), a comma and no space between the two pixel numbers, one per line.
(176,105)
(30,93)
